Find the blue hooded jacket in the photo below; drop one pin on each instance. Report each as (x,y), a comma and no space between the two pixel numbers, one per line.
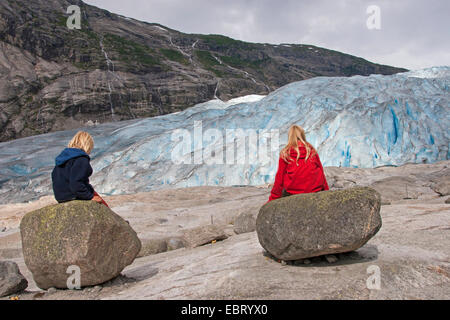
(70,177)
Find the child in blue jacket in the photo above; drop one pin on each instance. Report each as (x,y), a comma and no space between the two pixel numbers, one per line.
(72,170)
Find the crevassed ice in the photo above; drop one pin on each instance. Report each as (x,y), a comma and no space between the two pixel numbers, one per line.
(353,122)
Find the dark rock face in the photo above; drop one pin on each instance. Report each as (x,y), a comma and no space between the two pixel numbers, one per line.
(77,233)
(11,280)
(53,78)
(309,225)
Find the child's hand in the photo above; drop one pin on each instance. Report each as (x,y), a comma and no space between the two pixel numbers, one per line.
(97,198)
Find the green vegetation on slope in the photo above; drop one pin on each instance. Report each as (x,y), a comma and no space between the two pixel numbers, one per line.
(208,61)
(238,62)
(216,39)
(131,52)
(174,55)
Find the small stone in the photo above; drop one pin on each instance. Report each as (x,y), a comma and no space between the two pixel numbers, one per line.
(331,258)
(283,263)
(3,229)
(11,280)
(306,261)
(52,290)
(447,201)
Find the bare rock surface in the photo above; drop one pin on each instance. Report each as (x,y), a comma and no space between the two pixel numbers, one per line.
(410,181)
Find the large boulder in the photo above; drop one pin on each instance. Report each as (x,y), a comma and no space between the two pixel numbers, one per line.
(11,280)
(314,224)
(76,233)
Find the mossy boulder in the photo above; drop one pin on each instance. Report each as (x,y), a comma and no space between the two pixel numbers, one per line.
(308,225)
(76,233)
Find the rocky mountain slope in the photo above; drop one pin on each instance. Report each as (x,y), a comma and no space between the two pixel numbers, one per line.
(115,68)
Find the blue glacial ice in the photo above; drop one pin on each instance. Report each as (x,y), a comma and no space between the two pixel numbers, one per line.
(353,122)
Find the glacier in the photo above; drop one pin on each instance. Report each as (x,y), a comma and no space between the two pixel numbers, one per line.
(357,121)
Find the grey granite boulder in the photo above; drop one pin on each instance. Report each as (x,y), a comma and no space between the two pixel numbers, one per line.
(309,225)
(11,280)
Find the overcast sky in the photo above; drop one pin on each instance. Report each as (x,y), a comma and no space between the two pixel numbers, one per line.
(414,33)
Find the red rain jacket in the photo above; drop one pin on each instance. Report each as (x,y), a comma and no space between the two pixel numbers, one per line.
(306,177)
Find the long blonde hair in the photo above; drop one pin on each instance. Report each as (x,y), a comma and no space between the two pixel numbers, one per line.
(82,140)
(296,134)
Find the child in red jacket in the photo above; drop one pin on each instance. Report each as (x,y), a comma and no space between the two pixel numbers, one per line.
(299,167)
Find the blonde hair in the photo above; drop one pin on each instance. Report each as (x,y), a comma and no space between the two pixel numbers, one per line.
(82,140)
(296,134)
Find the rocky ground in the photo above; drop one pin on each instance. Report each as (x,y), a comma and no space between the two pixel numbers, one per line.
(184,257)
